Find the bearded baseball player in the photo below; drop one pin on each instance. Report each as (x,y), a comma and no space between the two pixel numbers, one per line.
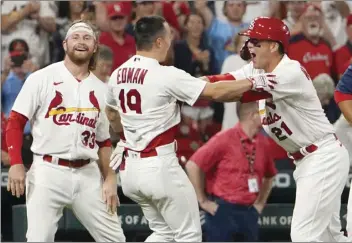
(71,144)
(141,101)
(292,115)
(343,97)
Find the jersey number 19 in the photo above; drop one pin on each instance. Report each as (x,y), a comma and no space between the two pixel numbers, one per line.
(133,98)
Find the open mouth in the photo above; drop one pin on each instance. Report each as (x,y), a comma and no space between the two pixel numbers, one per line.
(81,49)
(253,55)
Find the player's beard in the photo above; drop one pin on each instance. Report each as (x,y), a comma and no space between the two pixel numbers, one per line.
(78,57)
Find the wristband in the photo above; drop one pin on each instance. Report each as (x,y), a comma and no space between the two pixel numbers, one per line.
(221,77)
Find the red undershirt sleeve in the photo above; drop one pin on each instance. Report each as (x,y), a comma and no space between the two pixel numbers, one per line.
(14,136)
(339,96)
(106,143)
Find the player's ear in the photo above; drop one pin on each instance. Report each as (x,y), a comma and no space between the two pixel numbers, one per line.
(274,47)
(158,42)
(64,45)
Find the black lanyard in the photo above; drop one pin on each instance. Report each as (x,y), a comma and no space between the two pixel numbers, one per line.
(250,157)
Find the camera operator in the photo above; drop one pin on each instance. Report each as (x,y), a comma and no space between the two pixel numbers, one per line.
(17,68)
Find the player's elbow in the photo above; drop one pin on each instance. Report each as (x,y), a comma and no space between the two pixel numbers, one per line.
(114,119)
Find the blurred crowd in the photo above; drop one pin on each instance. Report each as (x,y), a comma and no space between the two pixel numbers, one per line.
(205,42)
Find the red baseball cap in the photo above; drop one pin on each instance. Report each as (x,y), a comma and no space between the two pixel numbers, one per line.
(117,9)
(349,20)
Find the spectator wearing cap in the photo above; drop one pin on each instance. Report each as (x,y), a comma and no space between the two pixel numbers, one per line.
(238,174)
(31,21)
(220,33)
(20,68)
(308,47)
(121,43)
(68,12)
(343,56)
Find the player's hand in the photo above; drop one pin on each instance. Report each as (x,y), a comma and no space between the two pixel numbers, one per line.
(110,193)
(263,82)
(116,156)
(16,180)
(209,206)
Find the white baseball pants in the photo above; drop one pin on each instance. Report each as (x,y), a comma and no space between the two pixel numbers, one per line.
(320,179)
(51,187)
(349,215)
(162,189)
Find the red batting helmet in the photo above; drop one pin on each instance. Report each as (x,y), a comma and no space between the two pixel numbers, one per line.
(265,28)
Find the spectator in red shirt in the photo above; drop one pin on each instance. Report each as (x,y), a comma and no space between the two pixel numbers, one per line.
(312,51)
(239,173)
(122,44)
(343,56)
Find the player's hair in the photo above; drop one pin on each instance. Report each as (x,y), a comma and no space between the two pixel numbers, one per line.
(93,60)
(281,48)
(105,53)
(147,30)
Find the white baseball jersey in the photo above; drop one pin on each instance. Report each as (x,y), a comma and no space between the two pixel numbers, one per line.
(67,116)
(145,95)
(293,117)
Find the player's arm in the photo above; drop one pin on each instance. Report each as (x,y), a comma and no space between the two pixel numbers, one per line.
(343,94)
(24,108)
(114,119)
(247,96)
(111,108)
(104,152)
(188,89)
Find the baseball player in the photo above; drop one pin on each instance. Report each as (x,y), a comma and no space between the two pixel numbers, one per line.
(292,115)
(141,101)
(65,105)
(343,97)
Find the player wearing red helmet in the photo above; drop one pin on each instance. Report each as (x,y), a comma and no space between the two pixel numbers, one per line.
(292,115)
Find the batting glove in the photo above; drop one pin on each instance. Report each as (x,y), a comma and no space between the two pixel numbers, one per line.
(263,82)
(117,155)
